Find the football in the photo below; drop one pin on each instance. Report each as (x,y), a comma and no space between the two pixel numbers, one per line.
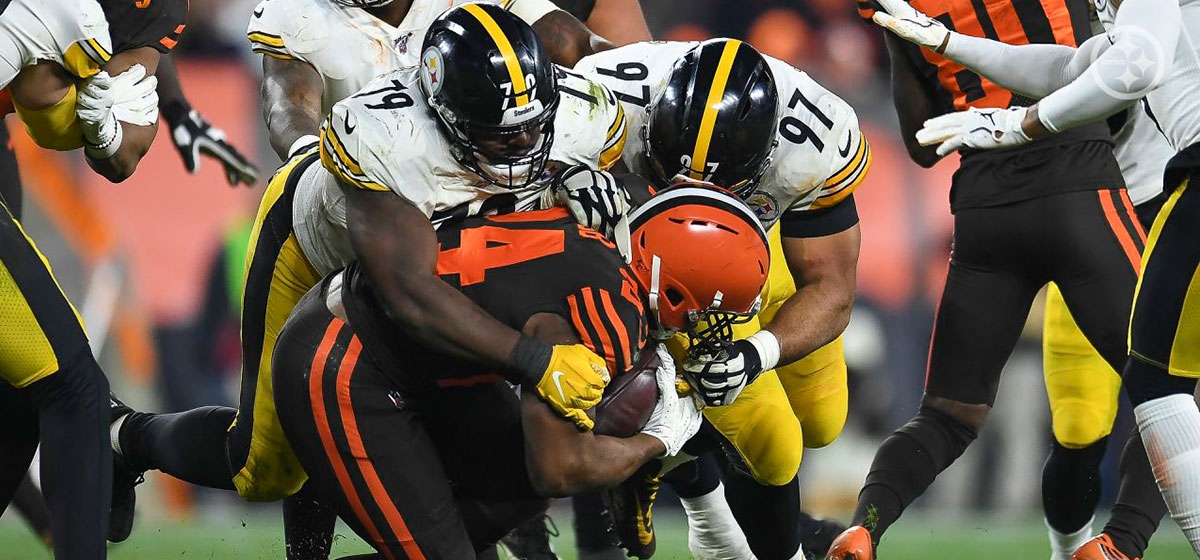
(629,399)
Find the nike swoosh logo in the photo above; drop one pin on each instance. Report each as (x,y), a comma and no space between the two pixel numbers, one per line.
(346,122)
(845,151)
(258,12)
(557,377)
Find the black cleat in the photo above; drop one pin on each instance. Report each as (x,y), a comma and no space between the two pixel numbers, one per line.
(125,478)
(818,533)
(531,539)
(631,505)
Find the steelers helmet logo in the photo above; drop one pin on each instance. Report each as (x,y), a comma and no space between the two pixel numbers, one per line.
(433,71)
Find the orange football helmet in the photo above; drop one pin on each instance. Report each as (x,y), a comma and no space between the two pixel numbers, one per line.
(701,255)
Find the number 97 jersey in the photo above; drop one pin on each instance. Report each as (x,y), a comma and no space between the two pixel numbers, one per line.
(820,156)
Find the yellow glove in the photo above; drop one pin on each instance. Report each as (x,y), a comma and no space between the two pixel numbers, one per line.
(569,377)
(574,382)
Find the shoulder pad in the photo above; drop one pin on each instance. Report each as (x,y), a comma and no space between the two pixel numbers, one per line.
(590,126)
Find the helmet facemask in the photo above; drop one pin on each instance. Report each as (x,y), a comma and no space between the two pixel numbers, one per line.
(495,153)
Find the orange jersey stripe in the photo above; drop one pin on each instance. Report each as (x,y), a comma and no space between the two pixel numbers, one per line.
(316,393)
(1119,230)
(626,351)
(1137,224)
(385,502)
(577,320)
(609,355)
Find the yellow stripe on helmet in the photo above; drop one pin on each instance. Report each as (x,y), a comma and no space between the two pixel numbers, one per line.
(506,50)
(709,120)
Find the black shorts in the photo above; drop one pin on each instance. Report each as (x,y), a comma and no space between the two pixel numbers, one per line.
(399,468)
(1087,242)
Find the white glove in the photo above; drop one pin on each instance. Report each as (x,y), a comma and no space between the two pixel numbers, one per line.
(594,197)
(984,129)
(720,378)
(129,97)
(675,419)
(911,25)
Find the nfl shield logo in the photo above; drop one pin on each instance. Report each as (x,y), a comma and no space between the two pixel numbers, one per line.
(402,43)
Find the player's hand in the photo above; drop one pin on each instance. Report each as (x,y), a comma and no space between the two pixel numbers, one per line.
(676,418)
(984,129)
(569,377)
(193,136)
(104,99)
(912,25)
(594,197)
(721,376)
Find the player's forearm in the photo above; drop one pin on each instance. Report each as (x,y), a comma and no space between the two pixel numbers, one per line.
(813,317)
(1113,81)
(1030,70)
(170,92)
(566,39)
(913,100)
(291,93)
(563,461)
(136,141)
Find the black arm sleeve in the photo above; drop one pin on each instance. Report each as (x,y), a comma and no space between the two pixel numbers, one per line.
(819,223)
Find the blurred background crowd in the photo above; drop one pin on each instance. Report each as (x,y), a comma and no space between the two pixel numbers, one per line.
(154,263)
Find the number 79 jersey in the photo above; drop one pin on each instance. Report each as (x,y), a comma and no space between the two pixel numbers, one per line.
(821,155)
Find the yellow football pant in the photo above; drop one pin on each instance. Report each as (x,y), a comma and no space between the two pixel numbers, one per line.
(798,405)
(39,328)
(1081,386)
(277,276)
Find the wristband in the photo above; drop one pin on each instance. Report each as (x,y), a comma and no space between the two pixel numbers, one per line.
(529,360)
(302,142)
(107,149)
(767,345)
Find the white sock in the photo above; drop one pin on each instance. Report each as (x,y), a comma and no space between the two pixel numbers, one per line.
(713,534)
(114,433)
(1063,545)
(1170,429)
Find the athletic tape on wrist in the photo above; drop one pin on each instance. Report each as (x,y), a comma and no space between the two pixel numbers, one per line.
(768,348)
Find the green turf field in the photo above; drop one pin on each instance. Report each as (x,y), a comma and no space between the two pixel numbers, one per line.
(919,538)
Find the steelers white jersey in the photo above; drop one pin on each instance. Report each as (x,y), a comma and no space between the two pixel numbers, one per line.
(1140,147)
(386,138)
(348,46)
(821,156)
(72,33)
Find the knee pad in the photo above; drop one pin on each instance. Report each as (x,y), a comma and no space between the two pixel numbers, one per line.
(817,392)
(759,433)
(1079,423)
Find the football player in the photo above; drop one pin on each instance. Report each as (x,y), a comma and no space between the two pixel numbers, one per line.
(450,445)
(1081,85)
(721,112)
(308,66)
(79,74)
(464,133)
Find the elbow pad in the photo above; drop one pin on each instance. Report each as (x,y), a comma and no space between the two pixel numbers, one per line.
(55,127)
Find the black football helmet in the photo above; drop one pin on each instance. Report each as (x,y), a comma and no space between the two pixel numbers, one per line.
(494,90)
(715,119)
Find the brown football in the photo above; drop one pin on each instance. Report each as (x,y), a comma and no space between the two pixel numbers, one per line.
(629,399)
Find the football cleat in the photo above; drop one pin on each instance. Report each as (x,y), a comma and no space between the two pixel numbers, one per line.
(531,539)
(1100,548)
(631,505)
(817,533)
(853,544)
(125,478)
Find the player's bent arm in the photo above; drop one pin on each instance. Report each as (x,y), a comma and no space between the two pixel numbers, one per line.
(398,248)
(1150,27)
(914,100)
(136,140)
(566,39)
(824,269)
(619,21)
(291,95)
(1032,70)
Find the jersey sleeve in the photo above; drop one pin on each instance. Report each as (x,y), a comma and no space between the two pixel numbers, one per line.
(590,126)
(267,30)
(610,322)
(359,147)
(849,166)
(144,23)
(614,137)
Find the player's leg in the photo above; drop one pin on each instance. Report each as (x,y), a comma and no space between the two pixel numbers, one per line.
(1082,389)
(205,446)
(988,291)
(366,454)
(44,354)
(713,531)
(10,177)
(817,391)
(1160,376)
(28,502)
(18,441)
